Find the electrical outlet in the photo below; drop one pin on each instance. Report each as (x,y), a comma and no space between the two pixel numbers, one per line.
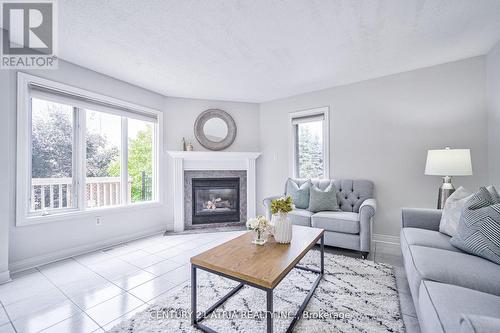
(98,220)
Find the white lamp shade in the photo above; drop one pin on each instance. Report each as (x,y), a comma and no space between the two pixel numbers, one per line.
(448,162)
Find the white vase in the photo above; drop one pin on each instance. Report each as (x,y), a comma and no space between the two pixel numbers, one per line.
(282,228)
(259,237)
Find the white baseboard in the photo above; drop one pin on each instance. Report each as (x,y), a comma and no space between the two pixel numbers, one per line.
(25,264)
(4,277)
(380,238)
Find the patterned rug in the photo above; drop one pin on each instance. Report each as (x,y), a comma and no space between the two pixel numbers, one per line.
(354,295)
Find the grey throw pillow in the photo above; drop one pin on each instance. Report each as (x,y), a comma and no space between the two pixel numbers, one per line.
(453,210)
(323,200)
(479,227)
(299,194)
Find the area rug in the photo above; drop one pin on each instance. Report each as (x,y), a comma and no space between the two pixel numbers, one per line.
(354,295)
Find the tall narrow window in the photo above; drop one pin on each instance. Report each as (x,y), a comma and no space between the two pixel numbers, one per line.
(103,164)
(310,144)
(52,142)
(309,158)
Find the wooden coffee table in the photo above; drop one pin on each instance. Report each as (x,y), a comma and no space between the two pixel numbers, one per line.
(259,266)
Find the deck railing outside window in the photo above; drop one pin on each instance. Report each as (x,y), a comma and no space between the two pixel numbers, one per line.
(55,193)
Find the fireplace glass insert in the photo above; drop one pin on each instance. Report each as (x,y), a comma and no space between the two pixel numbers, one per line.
(216,200)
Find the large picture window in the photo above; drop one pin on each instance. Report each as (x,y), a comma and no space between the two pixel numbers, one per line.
(79,151)
(309,151)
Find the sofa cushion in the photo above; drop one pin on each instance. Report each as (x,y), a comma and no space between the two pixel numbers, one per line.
(422,237)
(352,193)
(453,210)
(479,227)
(299,192)
(441,306)
(300,217)
(479,324)
(323,200)
(457,268)
(494,193)
(345,222)
(425,237)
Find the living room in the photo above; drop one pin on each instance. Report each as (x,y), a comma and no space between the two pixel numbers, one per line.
(163,161)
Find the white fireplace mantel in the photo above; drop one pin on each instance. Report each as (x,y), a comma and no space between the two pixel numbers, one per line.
(208,160)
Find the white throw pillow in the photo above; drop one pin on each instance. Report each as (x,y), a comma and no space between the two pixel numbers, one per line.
(453,210)
(494,194)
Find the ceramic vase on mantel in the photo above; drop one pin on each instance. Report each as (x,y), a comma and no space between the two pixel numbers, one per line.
(282,228)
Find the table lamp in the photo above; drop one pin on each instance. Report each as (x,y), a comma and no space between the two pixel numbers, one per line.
(447,163)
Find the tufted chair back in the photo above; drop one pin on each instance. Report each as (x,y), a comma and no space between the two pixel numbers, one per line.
(350,193)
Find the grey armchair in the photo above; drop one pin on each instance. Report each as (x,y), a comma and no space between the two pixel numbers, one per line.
(349,228)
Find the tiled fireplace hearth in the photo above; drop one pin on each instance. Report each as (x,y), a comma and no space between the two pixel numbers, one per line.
(213,188)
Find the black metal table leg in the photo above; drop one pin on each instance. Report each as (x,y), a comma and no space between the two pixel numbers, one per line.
(322,254)
(269,313)
(220,302)
(194,318)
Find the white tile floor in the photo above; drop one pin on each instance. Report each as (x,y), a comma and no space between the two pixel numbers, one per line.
(95,291)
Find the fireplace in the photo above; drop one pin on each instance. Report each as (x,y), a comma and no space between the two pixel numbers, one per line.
(215,200)
(189,165)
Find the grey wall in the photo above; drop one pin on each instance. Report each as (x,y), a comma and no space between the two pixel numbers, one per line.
(180,115)
(493,105)
(381,129)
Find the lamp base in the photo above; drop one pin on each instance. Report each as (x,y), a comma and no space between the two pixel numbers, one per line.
(445,191)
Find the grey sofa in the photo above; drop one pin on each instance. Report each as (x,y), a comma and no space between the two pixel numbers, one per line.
(452,291)
(349,228)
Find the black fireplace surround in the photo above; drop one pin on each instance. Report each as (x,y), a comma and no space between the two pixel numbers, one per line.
(216,200)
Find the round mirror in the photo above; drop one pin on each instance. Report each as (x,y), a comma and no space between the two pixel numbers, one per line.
(215,129)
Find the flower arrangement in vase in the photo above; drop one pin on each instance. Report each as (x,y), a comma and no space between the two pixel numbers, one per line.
(259,225)
(281,224)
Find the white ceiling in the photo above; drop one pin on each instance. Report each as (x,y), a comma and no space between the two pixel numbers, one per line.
(259,50)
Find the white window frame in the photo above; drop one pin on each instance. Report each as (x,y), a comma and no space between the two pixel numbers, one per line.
(320,111)
(23,177)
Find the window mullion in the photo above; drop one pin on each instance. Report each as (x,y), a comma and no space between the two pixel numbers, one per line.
(74,158)
(124,188)
(296,151)
(29,158)
(79,153)
(326,146)
(154,160)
